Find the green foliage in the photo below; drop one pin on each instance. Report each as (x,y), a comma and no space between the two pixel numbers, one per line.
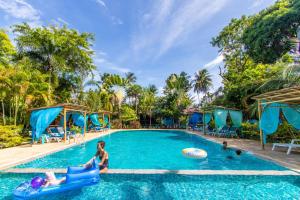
(128,114)
(285,133)
(268,37)
(7,50)
(11,136)
(57,51)
(250,131)
(76,129)
(116,124)
(202,82)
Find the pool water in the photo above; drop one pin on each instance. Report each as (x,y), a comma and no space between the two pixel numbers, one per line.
(147,149)
(171,186)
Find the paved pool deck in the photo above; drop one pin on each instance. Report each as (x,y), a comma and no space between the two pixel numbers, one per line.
(17,155)
(10,157)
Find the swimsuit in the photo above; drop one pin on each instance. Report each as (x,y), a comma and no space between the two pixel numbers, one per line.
(105,163)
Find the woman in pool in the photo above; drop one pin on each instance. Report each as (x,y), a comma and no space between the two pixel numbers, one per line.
(103,157)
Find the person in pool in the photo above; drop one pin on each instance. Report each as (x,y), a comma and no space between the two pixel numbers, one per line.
(225,145)
(238,152)
(103,157)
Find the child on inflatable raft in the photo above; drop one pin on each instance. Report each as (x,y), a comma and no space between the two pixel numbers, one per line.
(51,179)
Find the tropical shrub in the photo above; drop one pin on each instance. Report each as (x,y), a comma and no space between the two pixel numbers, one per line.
(12,136)
(134,124)
(116,124)
(250,131)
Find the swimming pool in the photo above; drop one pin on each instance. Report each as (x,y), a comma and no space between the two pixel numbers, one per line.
(153,149)
(171,186)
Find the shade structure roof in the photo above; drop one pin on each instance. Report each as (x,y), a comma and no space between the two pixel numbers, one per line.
(102,111)
(289,95)
(212,108)
(67,106)
(190,111)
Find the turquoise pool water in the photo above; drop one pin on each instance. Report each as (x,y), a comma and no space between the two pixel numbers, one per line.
(154,150)
(170,186)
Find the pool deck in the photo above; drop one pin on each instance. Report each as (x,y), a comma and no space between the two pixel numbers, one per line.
(17,155)
(10,157)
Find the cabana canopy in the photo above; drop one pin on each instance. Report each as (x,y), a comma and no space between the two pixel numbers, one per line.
(271,103)
(94,116)
(220,114)
(42,117)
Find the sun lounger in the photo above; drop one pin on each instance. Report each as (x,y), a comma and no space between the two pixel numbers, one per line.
(232,132)
(290,146)
(53,134)
(223,132)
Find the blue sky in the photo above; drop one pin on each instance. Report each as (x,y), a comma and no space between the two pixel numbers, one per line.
(152,38)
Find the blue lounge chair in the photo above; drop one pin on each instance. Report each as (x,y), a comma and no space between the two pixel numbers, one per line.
(53,135)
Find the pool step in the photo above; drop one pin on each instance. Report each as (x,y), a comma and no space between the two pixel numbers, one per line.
(160,171)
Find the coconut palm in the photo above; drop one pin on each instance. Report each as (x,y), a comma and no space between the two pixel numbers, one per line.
(134,91)
(202,82)
(178,85)
(147,101)
(130,78)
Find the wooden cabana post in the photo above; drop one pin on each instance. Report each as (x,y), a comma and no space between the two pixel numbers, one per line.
(84,125)
(65,124)
(203,122)
(260,131)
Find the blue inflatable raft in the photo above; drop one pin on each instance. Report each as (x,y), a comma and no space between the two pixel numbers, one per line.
(76,177)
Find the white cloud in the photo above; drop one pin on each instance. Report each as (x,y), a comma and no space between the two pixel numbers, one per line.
(215,62)
(256,3)
(102,3)
(62,21)
(20,9)
(115,20)
(59,21)
(102,62)
(170,22)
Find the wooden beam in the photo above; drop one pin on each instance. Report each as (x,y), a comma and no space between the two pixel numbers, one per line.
(203,122)
(260,131)
(292,100)
(84,124)
(65,125)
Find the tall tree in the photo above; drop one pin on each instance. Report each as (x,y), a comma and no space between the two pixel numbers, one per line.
(202,82)
(269,36)
(147,101)
(130,78)
(134,91)
(54,50)
(7,50)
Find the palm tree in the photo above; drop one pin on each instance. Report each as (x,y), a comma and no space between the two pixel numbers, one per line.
(134,91)
(130,78)
(202,82)
(178,85)
(147,101)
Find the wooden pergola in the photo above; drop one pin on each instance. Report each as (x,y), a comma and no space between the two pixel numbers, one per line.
(68,108)
(289,96)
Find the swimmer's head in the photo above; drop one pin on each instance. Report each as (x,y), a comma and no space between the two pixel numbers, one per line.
(238,152)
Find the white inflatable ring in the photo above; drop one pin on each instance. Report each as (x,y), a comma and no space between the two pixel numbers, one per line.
(194,153)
